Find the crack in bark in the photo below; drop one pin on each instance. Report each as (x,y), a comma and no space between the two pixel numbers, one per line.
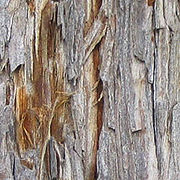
(153,90)
(154,120)
(14,168)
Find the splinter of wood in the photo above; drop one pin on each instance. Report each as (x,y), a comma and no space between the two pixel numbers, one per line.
(99,99)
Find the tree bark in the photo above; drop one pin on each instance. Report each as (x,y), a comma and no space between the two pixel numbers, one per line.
(90,89)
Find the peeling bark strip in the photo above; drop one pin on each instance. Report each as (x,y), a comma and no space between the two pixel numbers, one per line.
(95,34)
(89,89)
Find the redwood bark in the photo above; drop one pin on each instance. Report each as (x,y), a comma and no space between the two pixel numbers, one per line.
(90,89)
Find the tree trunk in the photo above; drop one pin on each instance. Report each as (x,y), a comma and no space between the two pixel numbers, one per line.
(90,89)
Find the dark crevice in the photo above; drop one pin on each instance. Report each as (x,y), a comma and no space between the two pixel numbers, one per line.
(153,111)
(74,149)
(58,164)
(178,11)
(13,168)
(154,120)
(156,32)
(100,111)
(18,68)
(100,101)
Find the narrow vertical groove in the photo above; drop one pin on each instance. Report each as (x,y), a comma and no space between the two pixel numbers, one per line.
(153,89)
(14,168)
(154,121)
(100,110)
(100,102)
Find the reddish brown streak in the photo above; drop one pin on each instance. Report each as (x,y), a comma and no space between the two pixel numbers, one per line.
(151,2)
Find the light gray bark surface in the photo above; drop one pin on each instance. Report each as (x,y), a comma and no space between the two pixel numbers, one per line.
(90,89)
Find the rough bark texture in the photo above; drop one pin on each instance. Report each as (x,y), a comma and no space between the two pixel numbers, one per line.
(90,89)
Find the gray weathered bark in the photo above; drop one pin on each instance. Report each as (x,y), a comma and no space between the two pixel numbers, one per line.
(90,89)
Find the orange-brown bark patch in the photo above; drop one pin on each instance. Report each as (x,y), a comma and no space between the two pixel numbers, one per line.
(27,163)
(151,2)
